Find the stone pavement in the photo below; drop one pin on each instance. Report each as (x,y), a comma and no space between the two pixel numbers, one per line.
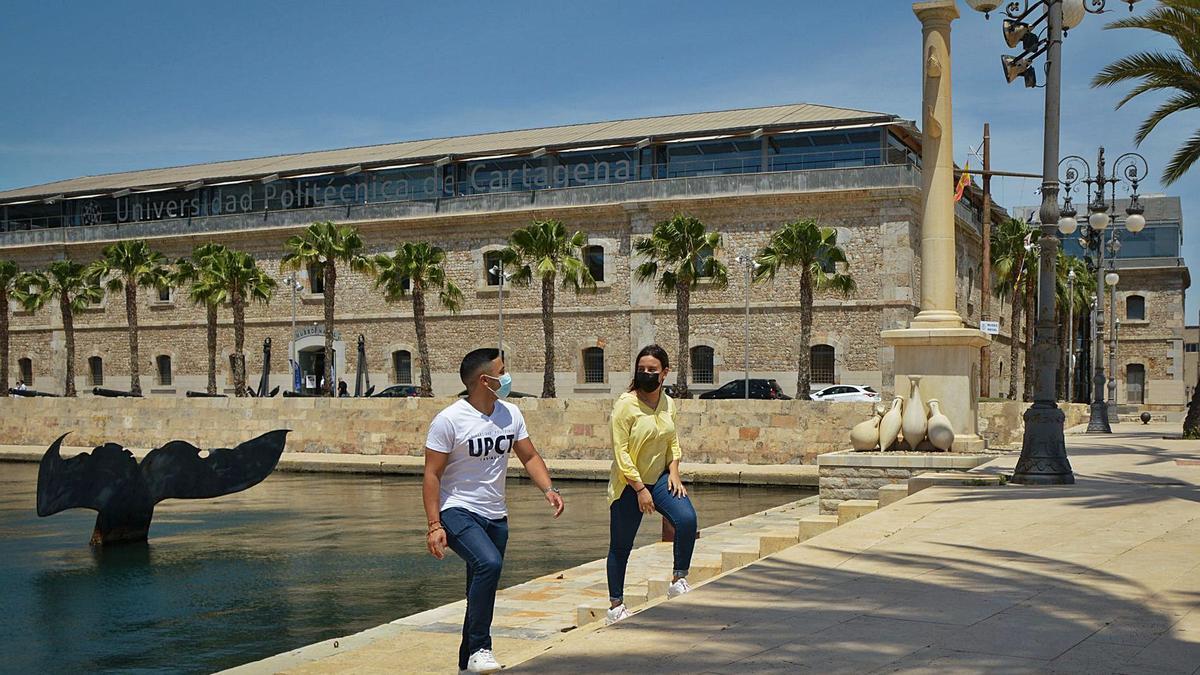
(535,614)
(1099,577)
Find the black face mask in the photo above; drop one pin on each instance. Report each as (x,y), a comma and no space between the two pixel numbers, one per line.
(647,382)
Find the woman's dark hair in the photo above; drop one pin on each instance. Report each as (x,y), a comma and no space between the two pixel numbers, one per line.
(654,351)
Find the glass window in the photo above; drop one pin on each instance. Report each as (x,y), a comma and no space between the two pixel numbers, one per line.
(593,365)
(163,362)
(96,371)
(597,167)
(164,294)
(491,264)
(26,368)
(316,280)
(593,257)
(822,364)
(702,364)
(708,158)
(825,150)
(402,366)
(1192,347)
(1135,308)
(702,259)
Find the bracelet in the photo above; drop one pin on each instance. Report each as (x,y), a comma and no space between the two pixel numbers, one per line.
(641,488)
(435,529)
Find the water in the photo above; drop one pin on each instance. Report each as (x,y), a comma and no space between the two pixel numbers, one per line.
(297,559)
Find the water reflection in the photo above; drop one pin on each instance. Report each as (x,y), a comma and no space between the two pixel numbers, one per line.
(295,560)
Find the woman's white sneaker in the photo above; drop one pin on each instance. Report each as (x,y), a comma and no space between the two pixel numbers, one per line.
(483,661)
(678,588)
(615,614)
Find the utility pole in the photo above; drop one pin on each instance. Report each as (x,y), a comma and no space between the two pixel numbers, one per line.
(985,291)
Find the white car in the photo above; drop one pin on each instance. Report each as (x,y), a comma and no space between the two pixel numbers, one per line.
(845,392)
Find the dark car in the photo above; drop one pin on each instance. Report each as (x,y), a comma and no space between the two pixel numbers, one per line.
(759,388)
(399,391)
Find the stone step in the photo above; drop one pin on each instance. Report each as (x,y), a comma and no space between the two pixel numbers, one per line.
(951,478)
(811,526)
(775,541)
(739,556)
(590,613)
(853,509)
(890,494)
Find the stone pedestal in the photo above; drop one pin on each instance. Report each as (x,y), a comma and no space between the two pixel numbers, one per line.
(945,358)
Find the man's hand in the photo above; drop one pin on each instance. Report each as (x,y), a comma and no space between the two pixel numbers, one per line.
(436,541)
(556,501)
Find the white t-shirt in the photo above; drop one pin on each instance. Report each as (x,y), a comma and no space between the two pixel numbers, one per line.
(478,446)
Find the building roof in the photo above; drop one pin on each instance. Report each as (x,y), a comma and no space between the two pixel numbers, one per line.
(781,118)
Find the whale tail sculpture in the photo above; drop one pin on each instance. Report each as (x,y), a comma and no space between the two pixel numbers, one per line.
(123,491)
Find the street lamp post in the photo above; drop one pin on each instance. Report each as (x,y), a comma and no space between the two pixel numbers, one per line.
(1112,279)
(747,263)
(1043,450)
(292,356)
(1070,335)
(501,277)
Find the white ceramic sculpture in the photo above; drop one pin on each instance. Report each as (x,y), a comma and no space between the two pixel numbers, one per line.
(940,432)
(915,421)
(889,426)
(865,434)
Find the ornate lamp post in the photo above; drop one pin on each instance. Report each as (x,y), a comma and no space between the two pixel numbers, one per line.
(747,262)
(502,277)
(293,359)
(1112,279)
(1070,335)
(1038,28)
(1129,168)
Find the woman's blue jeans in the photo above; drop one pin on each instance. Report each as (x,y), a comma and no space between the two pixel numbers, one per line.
(480,543)
(624,520)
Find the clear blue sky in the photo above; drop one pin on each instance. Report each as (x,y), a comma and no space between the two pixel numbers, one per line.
(101,87)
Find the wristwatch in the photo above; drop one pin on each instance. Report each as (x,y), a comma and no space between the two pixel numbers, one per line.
(554,490)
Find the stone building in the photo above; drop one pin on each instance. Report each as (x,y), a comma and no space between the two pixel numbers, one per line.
(743,172)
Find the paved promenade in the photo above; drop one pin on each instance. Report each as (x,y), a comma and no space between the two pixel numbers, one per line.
(1099,577)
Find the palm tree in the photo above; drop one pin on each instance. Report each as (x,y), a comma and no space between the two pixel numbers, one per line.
(804,245)
(9,272)
(679,253)
(1011,246)
(242,280)
(543,249)
(74,286)
(417,268)
(197,275)
(1084,286)
(128,266)
(1176,71)
(320,248)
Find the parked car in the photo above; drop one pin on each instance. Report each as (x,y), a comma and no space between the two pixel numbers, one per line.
(846,392)
(759,389)
(398,391)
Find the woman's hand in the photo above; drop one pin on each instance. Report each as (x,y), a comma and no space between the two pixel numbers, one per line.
(645,500)
(436,541)
(675,486)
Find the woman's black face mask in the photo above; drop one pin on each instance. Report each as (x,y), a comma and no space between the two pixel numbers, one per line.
(647,382)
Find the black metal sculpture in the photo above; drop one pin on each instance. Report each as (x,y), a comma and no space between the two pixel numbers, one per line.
(264,381)
(111,481)
(361,374)
(112,393)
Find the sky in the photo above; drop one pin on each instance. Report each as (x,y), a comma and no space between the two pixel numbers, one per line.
(102,87)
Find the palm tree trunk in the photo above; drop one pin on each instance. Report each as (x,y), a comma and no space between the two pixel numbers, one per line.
(548,336)
(211,337)
(422,341)
(1014,327)
(3,341)
(68,320)
(683,301)
(330,289)
(131,317)
(239,341)
(804,357)
(1030,291)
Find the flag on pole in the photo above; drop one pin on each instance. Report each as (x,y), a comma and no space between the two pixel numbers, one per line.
(963,182)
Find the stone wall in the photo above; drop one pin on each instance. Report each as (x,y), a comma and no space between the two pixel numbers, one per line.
(1001,423)
(859,475)
(761,432)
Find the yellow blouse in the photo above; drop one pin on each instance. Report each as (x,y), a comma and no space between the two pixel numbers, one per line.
(644,441)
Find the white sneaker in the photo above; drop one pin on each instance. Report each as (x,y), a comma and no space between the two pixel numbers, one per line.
(616,614)
(483,661)
(678,588)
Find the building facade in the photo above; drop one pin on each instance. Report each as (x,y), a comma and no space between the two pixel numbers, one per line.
(744,173)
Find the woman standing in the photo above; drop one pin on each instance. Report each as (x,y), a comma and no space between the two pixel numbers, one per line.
(645,477)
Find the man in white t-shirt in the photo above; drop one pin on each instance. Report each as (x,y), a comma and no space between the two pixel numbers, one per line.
(466,460)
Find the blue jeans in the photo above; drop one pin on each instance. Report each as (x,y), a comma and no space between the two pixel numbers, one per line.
(480,543)
(624,520)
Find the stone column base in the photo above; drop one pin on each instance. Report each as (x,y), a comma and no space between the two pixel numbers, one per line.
(947,359)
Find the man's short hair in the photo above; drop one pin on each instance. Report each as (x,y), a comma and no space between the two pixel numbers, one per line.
(476,362)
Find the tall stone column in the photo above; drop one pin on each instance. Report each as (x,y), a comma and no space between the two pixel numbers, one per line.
(936,345)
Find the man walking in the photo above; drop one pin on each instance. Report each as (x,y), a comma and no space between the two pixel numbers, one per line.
(466,458)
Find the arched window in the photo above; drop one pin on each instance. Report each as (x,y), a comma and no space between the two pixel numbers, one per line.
(702,267)
(491,260)
(821,365)
(163,366)
(316,279)
(1135,308)
(702,364)
(96,371)
(593,365)
(402,366)
(26,367)
(593,257)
